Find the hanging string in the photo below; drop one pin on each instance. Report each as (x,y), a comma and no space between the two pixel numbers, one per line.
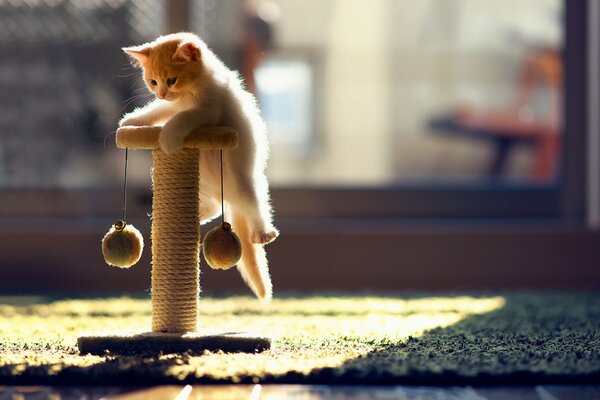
(222,203)
(125,188)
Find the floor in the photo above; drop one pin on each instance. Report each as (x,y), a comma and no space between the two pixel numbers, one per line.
(303,392)
(440,340)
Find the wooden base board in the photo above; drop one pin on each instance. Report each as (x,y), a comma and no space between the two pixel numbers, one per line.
(139,342)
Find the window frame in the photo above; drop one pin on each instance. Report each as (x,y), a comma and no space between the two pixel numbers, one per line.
(562,200)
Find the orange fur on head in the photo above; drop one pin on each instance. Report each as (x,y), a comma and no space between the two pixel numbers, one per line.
(172,65)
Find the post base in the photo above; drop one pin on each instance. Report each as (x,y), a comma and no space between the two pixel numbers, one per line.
(140,342)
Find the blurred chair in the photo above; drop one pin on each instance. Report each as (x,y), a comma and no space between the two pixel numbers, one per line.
(520,123)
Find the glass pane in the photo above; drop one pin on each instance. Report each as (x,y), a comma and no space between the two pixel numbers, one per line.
(355,93)
(397,91)
(285,96)
(64,84)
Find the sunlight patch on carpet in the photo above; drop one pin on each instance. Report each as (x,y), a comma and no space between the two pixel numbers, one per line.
(310,333)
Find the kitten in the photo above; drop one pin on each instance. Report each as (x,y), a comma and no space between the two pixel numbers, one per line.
(194,88)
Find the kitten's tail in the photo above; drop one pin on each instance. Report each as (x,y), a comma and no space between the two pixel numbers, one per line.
(253,266)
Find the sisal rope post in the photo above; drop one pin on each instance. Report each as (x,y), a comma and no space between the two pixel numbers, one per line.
(175,241)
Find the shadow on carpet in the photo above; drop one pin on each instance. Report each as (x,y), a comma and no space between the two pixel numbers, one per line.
(476,340)
(543,339)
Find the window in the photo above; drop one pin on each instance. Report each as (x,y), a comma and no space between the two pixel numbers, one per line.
(285,91)
(435,98)
(440,91)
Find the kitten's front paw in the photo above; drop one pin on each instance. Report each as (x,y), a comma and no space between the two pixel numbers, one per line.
(265,237)
(131,121)
(170,143)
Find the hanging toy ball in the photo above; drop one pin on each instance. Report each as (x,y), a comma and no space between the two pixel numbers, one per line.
(221,247)
(122,245)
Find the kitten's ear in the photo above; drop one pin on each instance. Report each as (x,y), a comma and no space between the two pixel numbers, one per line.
(187,51)
(139,54)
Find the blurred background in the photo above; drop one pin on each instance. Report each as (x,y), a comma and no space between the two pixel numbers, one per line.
(439,144)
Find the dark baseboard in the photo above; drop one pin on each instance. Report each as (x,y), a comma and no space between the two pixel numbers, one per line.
(61,257)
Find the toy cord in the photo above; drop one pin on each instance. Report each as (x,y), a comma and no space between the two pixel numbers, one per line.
(125,188)
(222,202)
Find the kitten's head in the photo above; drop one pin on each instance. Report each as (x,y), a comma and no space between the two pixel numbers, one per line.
(171,64)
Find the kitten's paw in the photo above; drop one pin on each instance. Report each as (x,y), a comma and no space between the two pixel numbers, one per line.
(265,237)
(170,143)
(131,121)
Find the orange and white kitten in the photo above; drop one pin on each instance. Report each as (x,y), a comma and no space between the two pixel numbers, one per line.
(194,88)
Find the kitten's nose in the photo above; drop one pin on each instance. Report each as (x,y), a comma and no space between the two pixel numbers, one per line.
(162,94)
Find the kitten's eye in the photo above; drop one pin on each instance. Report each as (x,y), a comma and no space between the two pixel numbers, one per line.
(153,82)
(171,81)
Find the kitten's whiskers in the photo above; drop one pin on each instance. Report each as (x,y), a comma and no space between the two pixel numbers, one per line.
(107,136)
(127,75)
(136,98)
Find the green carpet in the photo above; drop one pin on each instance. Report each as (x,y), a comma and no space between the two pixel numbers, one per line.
(477,340)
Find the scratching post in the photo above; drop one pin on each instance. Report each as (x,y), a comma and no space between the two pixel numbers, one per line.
(175,241)
(175,253)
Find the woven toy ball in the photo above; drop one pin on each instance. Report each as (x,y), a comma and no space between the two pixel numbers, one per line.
(122,245)
(221,247)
